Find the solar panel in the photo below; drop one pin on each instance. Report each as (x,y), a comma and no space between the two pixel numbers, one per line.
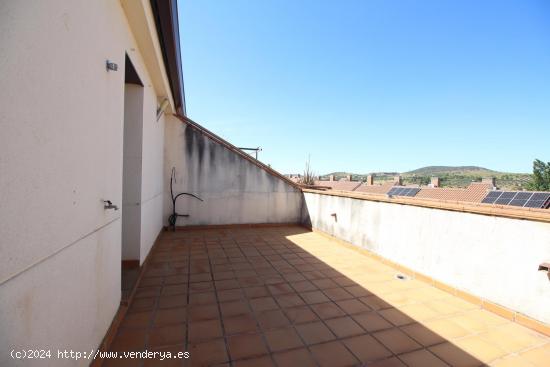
(413,191)
(535,204)
(539,200)
(394,190)
(540,196)
(491,197)
(518,202)
(526,199)
(503,201)
(506,197)
(399,191)
(494,194)
(523,196)
(405,192)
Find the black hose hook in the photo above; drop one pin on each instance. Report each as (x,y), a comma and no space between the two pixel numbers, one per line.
(174,216)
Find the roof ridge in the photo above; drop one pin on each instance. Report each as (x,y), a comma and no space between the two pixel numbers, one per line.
(209,134)
(443,188)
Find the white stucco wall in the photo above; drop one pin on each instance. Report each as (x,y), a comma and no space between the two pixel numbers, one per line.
(61,131)
(152,164)
(65,303)
(144,156)
(234,190)
(491,257)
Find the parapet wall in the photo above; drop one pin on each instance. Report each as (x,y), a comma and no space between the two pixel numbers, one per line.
(490,256)
(236,189)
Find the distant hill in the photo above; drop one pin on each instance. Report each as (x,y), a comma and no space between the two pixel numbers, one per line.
(453,170)
(450,176)
(430,171)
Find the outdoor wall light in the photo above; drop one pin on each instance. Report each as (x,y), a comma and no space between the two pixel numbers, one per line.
(162,107)
(111,66)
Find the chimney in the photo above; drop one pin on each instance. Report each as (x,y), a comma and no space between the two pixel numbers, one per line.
(397,180)
(349,177)
(370,180)
(490,180)
(435,182)
(331,178)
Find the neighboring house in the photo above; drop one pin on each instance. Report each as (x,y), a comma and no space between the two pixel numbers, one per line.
(475,192)
(294,177)
(342,184)
(338,185)
(375,189)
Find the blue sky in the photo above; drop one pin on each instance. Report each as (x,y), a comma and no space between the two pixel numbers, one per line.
(366,86)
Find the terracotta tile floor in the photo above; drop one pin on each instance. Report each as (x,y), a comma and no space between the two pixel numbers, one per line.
(284,296)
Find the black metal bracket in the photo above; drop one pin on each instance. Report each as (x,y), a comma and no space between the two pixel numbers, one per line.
(174,216)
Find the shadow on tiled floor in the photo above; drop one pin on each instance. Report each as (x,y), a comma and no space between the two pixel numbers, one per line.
(285,296)
(129,277)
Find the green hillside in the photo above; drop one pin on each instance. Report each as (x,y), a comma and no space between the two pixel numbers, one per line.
(450,176)
(455,170)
